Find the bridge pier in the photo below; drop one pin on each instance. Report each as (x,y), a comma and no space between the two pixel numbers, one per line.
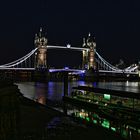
(40,75)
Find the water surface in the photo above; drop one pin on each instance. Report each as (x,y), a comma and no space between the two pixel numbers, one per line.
(54,90)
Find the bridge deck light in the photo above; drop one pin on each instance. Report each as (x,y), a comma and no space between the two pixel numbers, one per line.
(66,68)
(68,45)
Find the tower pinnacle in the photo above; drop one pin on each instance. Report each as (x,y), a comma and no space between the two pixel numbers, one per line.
(89,34)
(40,29)
(84,42)
(40,32)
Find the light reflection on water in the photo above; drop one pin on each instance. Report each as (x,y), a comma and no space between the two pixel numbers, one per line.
(54,90)
(92,118)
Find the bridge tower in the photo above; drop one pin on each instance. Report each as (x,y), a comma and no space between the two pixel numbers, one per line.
(85,56)
(89,55)
(92,48)
(41,54)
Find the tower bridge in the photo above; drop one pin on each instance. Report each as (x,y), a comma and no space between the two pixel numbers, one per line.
(91,59)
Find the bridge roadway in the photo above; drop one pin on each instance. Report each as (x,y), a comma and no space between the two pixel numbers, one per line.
(75,71)
(108,68)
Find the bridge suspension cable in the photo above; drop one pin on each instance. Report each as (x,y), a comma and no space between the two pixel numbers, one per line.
(22,62)
(108,65)
(132,68)
(19,61)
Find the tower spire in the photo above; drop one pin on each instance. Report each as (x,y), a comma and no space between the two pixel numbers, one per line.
(40,32)
(89,34)
(40,29)
(84,42)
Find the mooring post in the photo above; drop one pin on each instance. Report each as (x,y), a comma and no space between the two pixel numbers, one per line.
(65,83)
(65,90)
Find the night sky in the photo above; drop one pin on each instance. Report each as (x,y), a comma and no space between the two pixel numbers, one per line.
(114,23)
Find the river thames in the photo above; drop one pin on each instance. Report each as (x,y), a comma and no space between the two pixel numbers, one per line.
(51,93)
(54,90)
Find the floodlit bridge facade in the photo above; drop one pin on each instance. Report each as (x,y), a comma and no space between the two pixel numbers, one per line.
(91,59)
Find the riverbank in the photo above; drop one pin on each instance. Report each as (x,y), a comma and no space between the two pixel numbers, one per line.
(24,119)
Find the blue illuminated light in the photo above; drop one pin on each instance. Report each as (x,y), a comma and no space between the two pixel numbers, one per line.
(66,68)
(51,70)
(94,84)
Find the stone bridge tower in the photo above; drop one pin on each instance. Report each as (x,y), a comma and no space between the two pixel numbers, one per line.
(85,56)
(41,54)
(89,55)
